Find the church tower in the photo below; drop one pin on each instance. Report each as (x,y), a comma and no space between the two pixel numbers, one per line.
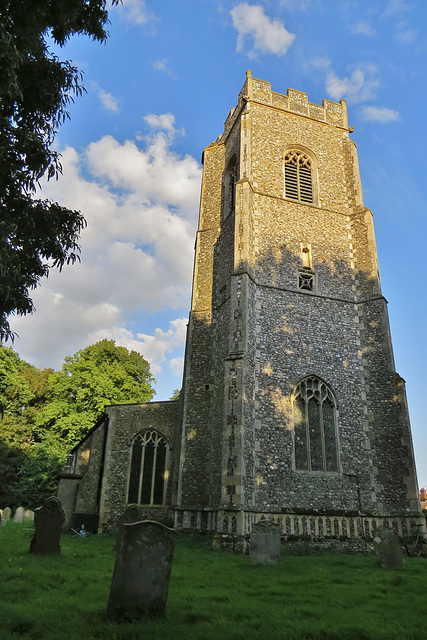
(292,408)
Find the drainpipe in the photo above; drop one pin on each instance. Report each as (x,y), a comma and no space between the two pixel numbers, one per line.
(353,475)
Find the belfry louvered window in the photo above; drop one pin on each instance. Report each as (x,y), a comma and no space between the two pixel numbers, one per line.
(315,426)
(298,176)
(148,471)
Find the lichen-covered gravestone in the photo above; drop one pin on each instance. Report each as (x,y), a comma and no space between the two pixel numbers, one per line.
(28,514)
(388,549)
(140,581)
(6,515)
(19,515)
(265,543)
(131,514)
(48,521)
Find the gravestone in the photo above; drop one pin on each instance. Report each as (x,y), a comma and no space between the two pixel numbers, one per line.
(28,514)
(19,515)
(1,517)
(48,521)
(388,549)
(142,570)
(6,515)
(130,515)
(265,543)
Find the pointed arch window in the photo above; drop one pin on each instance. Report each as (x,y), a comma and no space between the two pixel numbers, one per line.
(148,469)
(298,176)
(315,441)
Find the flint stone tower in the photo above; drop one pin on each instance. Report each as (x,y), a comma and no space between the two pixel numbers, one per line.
(292,408)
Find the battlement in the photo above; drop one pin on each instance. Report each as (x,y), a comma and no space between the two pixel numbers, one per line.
(333,113)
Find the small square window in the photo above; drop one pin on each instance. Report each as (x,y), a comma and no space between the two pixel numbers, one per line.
(305,281)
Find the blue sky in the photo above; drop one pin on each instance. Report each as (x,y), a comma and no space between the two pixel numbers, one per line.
(158,92)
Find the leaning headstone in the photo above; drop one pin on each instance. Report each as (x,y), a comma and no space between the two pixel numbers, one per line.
(19,515)
(28,514)
(388,549)
(265,543)
(48,521)
(6,515)
(131,514)
(141,574)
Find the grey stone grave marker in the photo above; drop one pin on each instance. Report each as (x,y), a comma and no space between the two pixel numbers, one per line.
(388,549)
(28,514)
(19,514)
(48,521)
(142,570)
(6,515)
(265,543)
(131,514)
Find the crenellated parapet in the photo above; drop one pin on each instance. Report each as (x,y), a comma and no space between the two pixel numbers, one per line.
(294,101)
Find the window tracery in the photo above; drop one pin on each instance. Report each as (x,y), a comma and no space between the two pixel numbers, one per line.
(298,176)
(315,438)
(148,469)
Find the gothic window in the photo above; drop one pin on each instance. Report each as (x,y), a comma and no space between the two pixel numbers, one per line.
(315,442)
(148,471)
(298,176)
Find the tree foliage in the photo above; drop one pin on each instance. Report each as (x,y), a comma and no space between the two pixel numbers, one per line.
(47,412)
(36,88)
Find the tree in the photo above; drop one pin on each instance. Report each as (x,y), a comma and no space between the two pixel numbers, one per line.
(24,390)
(47,412)
(36,88)
(96,376)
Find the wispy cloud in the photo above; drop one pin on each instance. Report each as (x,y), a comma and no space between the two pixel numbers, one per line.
(267,35)
(364,28)
(135,12)
(163,65)
(357,87)
(406,35)
(108,101)
(379,114)
(395,7)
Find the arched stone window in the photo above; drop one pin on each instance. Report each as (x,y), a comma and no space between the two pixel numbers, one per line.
(315,432)
(298,167)
(148,469)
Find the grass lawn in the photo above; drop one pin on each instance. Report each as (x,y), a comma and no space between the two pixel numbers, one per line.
(213,595)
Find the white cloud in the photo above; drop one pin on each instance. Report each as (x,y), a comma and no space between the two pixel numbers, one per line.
(135,11)
(108,101)
(357,87)
(177,365)
(154,347)
(395,7)
(379,114)
(164,121)
(267,35)
(406,36)
(320,63)
(141,205)
(163,65)
(364,28)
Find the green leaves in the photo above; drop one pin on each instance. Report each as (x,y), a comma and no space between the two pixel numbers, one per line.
(35,90)
(47,412)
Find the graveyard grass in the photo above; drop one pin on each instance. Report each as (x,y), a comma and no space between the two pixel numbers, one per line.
(212,594)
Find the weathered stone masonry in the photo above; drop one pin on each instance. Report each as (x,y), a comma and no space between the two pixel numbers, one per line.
(286,292)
